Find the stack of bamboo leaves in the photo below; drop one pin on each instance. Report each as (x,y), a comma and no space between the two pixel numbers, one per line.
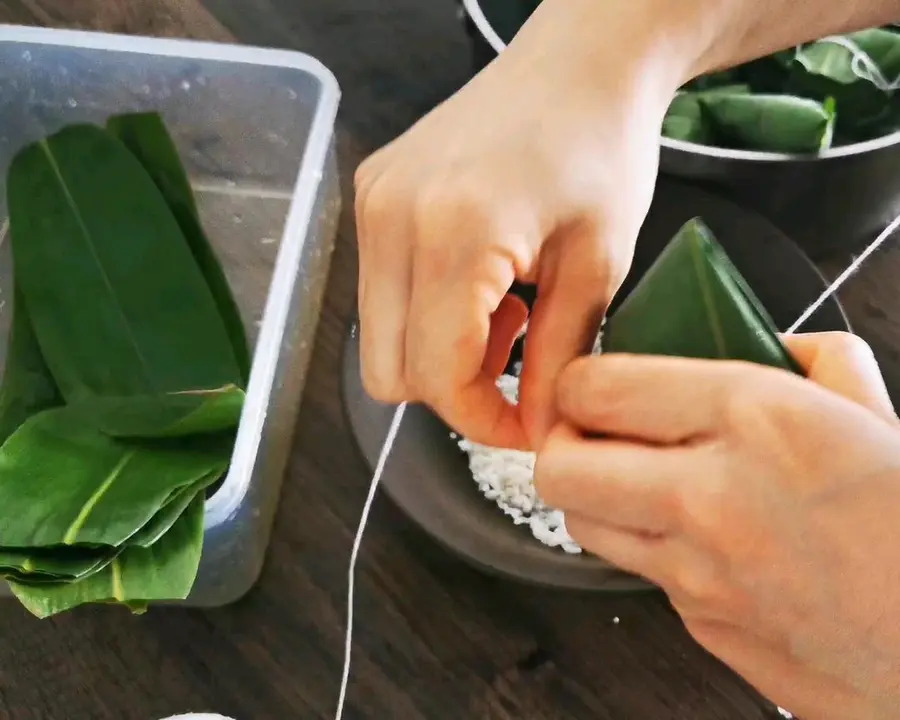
(122,388)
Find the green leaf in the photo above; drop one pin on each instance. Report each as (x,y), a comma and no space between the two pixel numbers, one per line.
(54,563)
(835,61)
(694,303)
(117,302)
(173,508)
(27,386)
(146,136)
(776,123)
(685,119)
(193,412)
(63,482)
(826,68)
(766,75)
(164,571)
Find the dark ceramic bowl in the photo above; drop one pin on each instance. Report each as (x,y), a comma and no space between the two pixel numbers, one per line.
(427,475)
(836,201)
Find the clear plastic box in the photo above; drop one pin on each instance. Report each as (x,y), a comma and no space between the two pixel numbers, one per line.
(255,129)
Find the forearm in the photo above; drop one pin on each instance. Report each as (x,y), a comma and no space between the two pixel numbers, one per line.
(676,40)
(742,30)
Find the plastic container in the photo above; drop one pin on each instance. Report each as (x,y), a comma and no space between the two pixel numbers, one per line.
(255,129)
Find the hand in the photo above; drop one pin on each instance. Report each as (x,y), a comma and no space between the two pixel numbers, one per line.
(766,505)
(541,169)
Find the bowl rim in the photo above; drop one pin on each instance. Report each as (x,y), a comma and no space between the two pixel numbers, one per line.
(482,24)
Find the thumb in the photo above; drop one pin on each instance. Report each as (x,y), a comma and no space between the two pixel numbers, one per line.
(574,288)
(843,363)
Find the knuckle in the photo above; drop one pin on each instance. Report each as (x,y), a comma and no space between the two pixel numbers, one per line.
(746,401)
(362,175)
(462,206)
(380,388)
(379,379)
(377,202)
(701,510)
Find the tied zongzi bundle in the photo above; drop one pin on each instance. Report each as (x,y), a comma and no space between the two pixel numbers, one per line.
(126,363)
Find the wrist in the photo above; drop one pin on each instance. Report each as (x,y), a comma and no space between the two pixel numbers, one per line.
(647,48)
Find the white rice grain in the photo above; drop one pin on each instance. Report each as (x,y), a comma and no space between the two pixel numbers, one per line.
(506,477)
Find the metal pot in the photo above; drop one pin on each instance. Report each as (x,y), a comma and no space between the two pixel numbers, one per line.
(836,201)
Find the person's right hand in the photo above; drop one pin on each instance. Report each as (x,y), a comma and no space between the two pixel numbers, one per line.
(541,169)
(763,503)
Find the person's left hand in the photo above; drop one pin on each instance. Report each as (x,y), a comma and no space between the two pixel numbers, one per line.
(765,504)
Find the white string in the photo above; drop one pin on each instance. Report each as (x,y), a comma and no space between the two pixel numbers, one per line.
(354,553)
(862,65)
(844,276)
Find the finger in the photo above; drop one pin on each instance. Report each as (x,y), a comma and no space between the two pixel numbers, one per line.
(457,288)
(622,484)
(642,555)
(843,363)
(655,399)
(507,322)
(574,291)
(386,269)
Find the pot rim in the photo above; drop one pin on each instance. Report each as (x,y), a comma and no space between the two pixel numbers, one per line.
(487,32)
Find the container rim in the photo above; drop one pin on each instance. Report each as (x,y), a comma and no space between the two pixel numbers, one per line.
(227,499)
(486,30)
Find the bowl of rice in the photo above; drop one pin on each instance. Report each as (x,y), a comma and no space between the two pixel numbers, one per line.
(818,142)
(480,502)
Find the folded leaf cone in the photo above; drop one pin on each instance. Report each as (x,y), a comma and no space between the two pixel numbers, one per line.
(694,303)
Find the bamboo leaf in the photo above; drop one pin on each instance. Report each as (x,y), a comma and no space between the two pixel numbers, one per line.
(174,507)
(694,303)
(172,415)
(164,571)
(117,302)
(146,136)
(54,563)
(835,60)
(63,482)
(685,120)
(777,123)
(27,386)
(839,68)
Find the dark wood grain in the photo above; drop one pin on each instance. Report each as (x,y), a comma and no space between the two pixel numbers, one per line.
(436,640)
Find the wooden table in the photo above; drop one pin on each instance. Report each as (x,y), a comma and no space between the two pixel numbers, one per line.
(436,640)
